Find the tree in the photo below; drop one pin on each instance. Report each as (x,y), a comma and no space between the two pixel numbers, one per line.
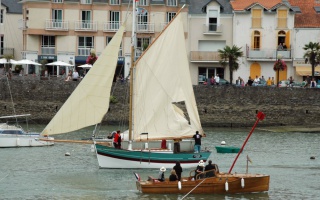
(230,55)
(312,54)
(279,65)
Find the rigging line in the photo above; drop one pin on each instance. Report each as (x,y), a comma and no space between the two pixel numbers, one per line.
(192,189)
(4,177)
(14,110)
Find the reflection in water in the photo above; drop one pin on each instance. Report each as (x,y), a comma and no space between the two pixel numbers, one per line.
(46,173)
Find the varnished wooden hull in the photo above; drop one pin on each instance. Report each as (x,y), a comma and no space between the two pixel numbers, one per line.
(213,185)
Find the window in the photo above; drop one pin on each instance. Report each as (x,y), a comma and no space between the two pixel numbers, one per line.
(57,18)
(85,44)
(1,16)
(57,1)
(114,20)
(172,3)
(143,2)
(281,38)
(256,40)
(48,44)
(256,18)
(142,22)
(213,20)
(282,18)
(114,2)
(142,44)
(86,19)
(86,1)
(1,44)
(170,16)
(108,39)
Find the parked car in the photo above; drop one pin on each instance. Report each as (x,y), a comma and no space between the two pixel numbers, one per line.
(223,81)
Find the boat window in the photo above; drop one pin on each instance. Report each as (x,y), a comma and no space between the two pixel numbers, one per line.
(13,132)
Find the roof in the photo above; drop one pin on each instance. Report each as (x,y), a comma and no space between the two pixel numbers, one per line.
(12,6)
(240,5)
(199,6)
(308,18)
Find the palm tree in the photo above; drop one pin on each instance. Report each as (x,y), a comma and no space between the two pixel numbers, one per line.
(230,55)
(312,54)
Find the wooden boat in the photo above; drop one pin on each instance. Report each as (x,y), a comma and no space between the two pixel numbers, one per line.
(227,149)
(157,99)
(221,183)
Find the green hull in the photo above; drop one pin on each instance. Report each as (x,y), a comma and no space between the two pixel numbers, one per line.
(221,149)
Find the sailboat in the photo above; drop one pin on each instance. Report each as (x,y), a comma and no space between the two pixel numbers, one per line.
(159,83)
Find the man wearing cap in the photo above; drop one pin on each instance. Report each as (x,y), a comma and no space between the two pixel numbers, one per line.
(199,170)
(161,174)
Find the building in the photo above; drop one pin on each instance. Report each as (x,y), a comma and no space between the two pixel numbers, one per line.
(10,35)
(210,29)
(263,29)
(67,30)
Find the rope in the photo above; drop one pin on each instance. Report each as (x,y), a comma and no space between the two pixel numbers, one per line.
(14,110)
(192,189)
(4,177)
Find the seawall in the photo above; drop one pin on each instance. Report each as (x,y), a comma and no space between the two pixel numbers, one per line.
(218,106)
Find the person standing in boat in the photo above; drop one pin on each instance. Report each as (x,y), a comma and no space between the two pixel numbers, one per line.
(197,142)
(119,140)
(115,140)
(161,174)
(178,170)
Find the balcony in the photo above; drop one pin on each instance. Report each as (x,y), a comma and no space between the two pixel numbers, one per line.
(56,25)
(268,54)
(22,24)
(145,28)
(204,56)
(86,25)
(6,51)
(111,26)
(212,29)
(84,51)
(48,50)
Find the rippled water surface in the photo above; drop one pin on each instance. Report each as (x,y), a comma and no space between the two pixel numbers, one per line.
(46,173)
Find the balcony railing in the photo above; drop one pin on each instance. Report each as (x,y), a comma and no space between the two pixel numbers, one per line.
(22,24)
(209,56)
(268,54)
(145,27)
(111,26)
(86,26)
(212,28)
(48,50)
(52,24)
(84,51)
(6,51)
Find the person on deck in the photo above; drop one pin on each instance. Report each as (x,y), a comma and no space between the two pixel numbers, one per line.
(211,167)
(161,174)
(115,140)
(119,140)
(111,135)
(173,176)
(197,142)
(178,170)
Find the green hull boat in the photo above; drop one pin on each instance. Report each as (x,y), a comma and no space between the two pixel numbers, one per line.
(226,149)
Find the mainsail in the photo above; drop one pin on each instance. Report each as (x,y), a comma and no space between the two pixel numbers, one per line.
(89,102)
(161,79)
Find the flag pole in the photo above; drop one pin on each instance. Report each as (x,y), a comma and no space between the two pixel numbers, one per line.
(260,116)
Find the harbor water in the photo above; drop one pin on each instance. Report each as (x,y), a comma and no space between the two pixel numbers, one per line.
(46,173)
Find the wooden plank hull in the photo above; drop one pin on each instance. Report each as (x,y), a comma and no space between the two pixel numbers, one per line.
(214,185)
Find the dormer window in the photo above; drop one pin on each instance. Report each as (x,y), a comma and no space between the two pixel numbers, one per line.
(282,18)
(256,18)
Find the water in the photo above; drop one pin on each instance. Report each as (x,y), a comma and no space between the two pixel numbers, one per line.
(46,173)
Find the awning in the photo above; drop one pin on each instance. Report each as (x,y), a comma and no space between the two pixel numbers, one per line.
(307,70)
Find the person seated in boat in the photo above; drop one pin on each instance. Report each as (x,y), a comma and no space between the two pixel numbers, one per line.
(111,135)
(161,174)
(211,168)
(173,176)
(178,170)
(199,170)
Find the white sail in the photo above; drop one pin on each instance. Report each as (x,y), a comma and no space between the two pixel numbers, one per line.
(89,102)
(162,78)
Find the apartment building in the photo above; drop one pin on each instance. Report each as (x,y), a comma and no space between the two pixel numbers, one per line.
(10,35)
(210,29)
(306,29)
(259,27)
(67,30)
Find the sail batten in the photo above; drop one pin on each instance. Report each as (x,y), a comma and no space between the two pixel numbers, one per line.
(161,78)
(89,102)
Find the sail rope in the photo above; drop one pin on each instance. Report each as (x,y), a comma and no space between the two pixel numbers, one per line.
(14,110)
(192,189)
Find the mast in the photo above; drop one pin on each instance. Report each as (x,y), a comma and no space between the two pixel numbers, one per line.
(133,44)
